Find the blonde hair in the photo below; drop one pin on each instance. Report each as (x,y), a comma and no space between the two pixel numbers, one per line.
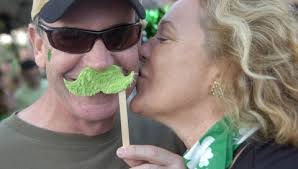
(258,38)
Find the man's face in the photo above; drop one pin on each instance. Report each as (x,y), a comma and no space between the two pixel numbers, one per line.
(91,15)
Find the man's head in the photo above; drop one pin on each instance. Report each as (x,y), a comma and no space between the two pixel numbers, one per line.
(66,40)
(30,73)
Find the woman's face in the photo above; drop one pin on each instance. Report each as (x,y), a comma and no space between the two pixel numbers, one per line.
(177,73)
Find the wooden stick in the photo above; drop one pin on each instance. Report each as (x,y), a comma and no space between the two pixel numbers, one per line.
(124,118)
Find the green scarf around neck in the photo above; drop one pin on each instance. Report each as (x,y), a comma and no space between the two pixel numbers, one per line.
(215,150)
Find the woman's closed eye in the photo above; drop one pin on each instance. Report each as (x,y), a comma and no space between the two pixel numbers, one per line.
(162,38)
(166,31)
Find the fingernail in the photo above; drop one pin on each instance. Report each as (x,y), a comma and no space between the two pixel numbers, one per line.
(120,152)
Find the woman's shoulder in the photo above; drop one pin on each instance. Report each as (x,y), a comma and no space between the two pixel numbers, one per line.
(267,155)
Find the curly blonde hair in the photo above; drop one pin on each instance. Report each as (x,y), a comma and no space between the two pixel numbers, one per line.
(258,39)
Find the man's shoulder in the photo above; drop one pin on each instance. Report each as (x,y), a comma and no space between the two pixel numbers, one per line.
(10,143)
(150,132)
(8,134)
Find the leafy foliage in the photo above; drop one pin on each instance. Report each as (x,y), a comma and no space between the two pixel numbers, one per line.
(153,16)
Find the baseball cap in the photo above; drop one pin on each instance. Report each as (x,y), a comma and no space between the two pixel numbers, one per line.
(52,10)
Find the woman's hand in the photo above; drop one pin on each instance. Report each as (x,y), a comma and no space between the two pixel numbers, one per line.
(150,157)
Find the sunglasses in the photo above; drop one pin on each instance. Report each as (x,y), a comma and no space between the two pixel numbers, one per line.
(77,41)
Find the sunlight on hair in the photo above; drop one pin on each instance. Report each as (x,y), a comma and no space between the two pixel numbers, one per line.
(259,39)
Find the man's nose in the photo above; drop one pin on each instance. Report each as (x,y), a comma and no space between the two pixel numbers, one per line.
(99,57)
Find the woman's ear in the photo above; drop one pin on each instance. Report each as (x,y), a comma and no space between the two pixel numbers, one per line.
(217,70)
(226,70)
(37,45)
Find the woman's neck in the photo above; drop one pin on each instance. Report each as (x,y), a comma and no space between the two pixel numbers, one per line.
(192,123)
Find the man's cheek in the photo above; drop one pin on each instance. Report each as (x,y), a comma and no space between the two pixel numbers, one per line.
(130,61)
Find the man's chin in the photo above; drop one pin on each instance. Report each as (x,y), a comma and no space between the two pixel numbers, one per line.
(98,99)
(96,112)
(97,107)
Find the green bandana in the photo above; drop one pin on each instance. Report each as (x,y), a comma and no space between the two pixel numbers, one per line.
(90,81)
(215,149)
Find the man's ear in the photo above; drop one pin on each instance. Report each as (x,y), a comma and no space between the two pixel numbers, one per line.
(37,46)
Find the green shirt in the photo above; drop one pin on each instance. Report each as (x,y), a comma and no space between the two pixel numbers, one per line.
(24,146)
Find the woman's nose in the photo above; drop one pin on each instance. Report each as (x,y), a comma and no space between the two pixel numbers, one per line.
(145,50)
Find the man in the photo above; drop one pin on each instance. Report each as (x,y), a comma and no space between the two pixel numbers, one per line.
(64,131)
(33,86)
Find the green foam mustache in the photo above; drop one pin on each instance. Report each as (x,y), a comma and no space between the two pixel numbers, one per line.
(91,82)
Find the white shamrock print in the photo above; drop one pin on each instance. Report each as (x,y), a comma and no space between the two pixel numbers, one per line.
(204,161)
(200,154)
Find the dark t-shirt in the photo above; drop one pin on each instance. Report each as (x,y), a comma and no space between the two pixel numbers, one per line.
(24,146)
(267,155)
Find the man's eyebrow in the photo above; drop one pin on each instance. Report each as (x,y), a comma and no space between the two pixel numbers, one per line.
(167,24)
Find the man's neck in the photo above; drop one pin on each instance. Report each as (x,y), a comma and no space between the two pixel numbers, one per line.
(49,114)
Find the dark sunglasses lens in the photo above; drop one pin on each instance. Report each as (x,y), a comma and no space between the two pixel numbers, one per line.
(72,41)
(122,38)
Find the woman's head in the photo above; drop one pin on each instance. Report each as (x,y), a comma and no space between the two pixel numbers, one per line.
(179,72)
(249,46)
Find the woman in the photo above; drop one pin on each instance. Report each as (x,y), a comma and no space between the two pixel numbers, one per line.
(223,75)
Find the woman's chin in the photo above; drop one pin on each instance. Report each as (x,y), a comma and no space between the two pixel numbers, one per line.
(143,106)
(135,104)
(139,105)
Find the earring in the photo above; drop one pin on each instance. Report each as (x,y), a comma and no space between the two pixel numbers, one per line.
(216,89)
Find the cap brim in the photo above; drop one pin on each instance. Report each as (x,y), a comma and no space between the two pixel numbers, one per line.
(55,9)
(138,8)
(51,13)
